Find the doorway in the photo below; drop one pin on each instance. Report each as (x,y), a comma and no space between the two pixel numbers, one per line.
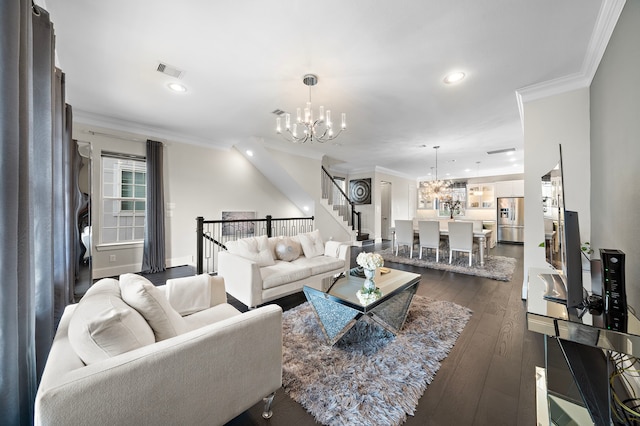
(385,209)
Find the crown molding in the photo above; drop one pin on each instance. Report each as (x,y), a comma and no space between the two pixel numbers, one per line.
(90,119)
(395,173)
(608,15)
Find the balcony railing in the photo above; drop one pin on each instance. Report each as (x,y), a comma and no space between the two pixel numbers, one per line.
(211,235)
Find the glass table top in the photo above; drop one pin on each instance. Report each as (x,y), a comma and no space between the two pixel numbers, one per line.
(344,289)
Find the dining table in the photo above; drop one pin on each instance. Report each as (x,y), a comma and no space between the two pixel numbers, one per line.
(480,236)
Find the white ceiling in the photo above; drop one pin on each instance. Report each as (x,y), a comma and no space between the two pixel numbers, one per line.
(381,62)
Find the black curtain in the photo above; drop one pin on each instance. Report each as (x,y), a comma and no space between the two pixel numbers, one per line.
(153,257)
(34,249)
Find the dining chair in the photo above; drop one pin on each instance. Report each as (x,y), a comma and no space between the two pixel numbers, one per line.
(429,235)
(461,239)
(404,235)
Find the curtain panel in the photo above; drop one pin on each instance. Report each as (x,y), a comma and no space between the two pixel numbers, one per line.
(34,224)
(153,255)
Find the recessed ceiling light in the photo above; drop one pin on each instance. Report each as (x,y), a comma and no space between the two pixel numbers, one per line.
(454,77)
(467,170)
(249,153)
(177,87)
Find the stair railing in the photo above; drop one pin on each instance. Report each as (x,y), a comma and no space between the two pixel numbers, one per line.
(337,198)
(211,235)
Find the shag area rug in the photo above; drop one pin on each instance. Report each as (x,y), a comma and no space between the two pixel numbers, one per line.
(499,268)
(369,377)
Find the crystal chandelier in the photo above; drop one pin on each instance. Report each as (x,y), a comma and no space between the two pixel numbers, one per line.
(436,188)
(307,127)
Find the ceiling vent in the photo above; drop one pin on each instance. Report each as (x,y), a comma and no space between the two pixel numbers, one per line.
(277,112)
(169,70)
(500,151)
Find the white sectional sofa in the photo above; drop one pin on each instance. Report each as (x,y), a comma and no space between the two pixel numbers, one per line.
(260,269)
(132,353)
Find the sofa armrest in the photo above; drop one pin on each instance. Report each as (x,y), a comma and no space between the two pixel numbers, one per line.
(344,253)
(242,278)
(211,374)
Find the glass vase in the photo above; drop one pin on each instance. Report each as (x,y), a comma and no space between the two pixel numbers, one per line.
(369,285)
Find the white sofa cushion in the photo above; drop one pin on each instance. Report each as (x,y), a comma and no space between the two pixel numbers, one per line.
(319,264)
(287,249)
(312,244)
(209,316)
(103,325)
(144,297)
(282,273)
(255,249)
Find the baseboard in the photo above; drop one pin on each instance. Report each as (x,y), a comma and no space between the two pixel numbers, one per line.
(180,261)
(114,271)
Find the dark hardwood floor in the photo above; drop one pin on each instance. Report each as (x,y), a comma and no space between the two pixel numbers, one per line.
(488,377)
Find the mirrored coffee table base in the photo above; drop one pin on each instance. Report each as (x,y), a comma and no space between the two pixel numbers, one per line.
(338,311)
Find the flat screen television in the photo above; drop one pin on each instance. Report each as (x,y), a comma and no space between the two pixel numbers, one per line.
(562,242)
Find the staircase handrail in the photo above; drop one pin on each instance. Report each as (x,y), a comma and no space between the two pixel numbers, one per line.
(355,215)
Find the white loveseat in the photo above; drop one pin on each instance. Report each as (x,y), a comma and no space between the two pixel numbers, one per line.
(114,364)
(260,269)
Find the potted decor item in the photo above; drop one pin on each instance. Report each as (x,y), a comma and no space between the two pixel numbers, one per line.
(369,263)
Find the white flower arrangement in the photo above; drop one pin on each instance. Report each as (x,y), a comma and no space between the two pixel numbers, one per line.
(370,260)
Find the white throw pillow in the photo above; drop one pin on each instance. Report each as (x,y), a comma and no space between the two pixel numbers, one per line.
(332,248)
(312,244)
(255,249)
(287,249)
(103,326)
(151,303)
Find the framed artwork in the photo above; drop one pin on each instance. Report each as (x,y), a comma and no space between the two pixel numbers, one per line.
(360,191)
(244,229)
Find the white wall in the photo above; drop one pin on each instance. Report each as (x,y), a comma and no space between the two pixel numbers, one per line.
(308,173)
(615,147)
(548,122)
(199,181)
(404,199)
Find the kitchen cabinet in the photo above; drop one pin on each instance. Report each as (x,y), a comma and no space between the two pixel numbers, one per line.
(509,188)
(481,196)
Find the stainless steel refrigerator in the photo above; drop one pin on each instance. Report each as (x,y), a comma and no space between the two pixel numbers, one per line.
(511,219)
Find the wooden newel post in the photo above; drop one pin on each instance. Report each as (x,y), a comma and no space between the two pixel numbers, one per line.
(269,231)
(199,244)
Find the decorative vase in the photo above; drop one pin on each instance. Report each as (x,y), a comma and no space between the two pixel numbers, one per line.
(369,285)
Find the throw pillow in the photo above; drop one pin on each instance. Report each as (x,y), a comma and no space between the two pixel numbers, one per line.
(287,249)
(312,244)
(255,249)
(332,248)
(103,326)
(151,303)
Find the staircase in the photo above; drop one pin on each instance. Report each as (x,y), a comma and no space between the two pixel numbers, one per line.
(336,201)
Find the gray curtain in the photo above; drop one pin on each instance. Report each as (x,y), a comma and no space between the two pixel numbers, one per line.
(35,285)
(153,259)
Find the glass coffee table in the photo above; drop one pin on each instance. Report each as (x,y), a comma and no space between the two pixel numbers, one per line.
(338,308)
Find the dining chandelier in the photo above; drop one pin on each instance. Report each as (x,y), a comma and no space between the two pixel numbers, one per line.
(436,188)
(307,127)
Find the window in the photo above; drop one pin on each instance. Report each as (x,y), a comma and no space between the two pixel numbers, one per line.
(124,192)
